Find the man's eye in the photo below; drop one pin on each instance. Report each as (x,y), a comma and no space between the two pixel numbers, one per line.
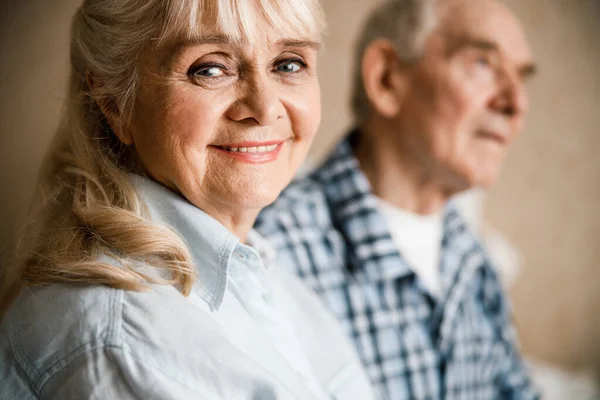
(483,60)
(290,66)
(209,71)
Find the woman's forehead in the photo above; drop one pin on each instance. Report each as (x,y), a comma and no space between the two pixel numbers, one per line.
(269,37)
(244,22)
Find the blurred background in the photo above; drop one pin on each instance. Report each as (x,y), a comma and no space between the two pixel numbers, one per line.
(541,221)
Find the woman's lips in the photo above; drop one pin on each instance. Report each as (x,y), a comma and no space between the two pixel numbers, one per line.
(252,152)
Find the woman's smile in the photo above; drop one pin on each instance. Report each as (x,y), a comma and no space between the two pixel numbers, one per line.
(252,152)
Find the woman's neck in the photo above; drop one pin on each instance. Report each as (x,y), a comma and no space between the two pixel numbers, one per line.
(238,222)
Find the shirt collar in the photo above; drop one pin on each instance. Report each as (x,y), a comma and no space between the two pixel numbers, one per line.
(265,250)
(210,243)
(355,212)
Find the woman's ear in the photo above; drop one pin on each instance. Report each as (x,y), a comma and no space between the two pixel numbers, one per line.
(383,80)
(111,111)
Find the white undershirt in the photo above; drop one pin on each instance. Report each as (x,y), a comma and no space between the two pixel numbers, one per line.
(419,240)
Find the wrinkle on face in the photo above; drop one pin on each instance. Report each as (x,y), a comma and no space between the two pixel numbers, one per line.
(178,119)
(452,93)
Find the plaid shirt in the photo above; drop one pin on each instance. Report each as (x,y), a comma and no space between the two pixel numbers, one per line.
(459,346)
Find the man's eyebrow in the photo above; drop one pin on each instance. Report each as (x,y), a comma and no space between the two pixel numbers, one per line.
(472,43)
(528,71)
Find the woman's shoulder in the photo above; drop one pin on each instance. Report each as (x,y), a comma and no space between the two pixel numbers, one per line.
(48,327)
(59,314)
(76,338)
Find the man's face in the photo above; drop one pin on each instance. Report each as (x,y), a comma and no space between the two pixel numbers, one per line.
(466,97)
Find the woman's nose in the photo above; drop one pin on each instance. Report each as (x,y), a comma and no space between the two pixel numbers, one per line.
(259,101)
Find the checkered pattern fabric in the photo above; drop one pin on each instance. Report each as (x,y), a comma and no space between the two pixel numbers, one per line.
(458,346)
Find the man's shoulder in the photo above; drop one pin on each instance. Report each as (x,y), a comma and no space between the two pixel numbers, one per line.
(303,204)
(306,191)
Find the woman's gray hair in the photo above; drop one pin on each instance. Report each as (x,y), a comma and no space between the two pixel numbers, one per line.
(407,24)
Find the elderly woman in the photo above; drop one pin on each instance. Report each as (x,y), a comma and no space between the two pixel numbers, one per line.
(142,277)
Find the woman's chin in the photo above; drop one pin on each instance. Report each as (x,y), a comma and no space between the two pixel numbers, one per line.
(258,200)
(255,193)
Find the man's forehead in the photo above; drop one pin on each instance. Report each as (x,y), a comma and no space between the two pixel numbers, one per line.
(484,21)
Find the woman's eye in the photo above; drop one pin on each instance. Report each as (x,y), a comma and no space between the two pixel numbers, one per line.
(211,71)
(290,66)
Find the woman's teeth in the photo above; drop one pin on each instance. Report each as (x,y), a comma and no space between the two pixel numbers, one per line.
(257,149)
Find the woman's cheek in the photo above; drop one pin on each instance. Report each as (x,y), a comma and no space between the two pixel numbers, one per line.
(307,113)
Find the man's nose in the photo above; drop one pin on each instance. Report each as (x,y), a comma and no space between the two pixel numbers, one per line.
(512,98)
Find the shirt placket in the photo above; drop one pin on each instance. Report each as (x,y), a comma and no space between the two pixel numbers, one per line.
(253,289)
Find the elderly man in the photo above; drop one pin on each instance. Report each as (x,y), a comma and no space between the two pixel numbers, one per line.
(439,97)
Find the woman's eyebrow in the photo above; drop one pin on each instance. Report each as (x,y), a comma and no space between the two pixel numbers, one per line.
(174,51)
(298,43)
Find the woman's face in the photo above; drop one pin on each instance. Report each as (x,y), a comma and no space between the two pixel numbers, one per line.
(226,124)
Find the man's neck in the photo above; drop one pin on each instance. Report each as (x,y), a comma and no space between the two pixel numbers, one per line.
(396,175)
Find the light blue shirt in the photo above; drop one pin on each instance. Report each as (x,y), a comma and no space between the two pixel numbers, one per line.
(247,330)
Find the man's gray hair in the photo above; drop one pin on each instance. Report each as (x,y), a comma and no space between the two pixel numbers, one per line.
(407,24)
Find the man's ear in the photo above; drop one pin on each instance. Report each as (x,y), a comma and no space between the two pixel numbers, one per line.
(111,111)
(383,80)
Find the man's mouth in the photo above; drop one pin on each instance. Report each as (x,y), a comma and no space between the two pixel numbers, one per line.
(494,136)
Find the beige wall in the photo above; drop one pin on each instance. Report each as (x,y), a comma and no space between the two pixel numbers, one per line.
(548,199)
(546,202)
(33,70)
